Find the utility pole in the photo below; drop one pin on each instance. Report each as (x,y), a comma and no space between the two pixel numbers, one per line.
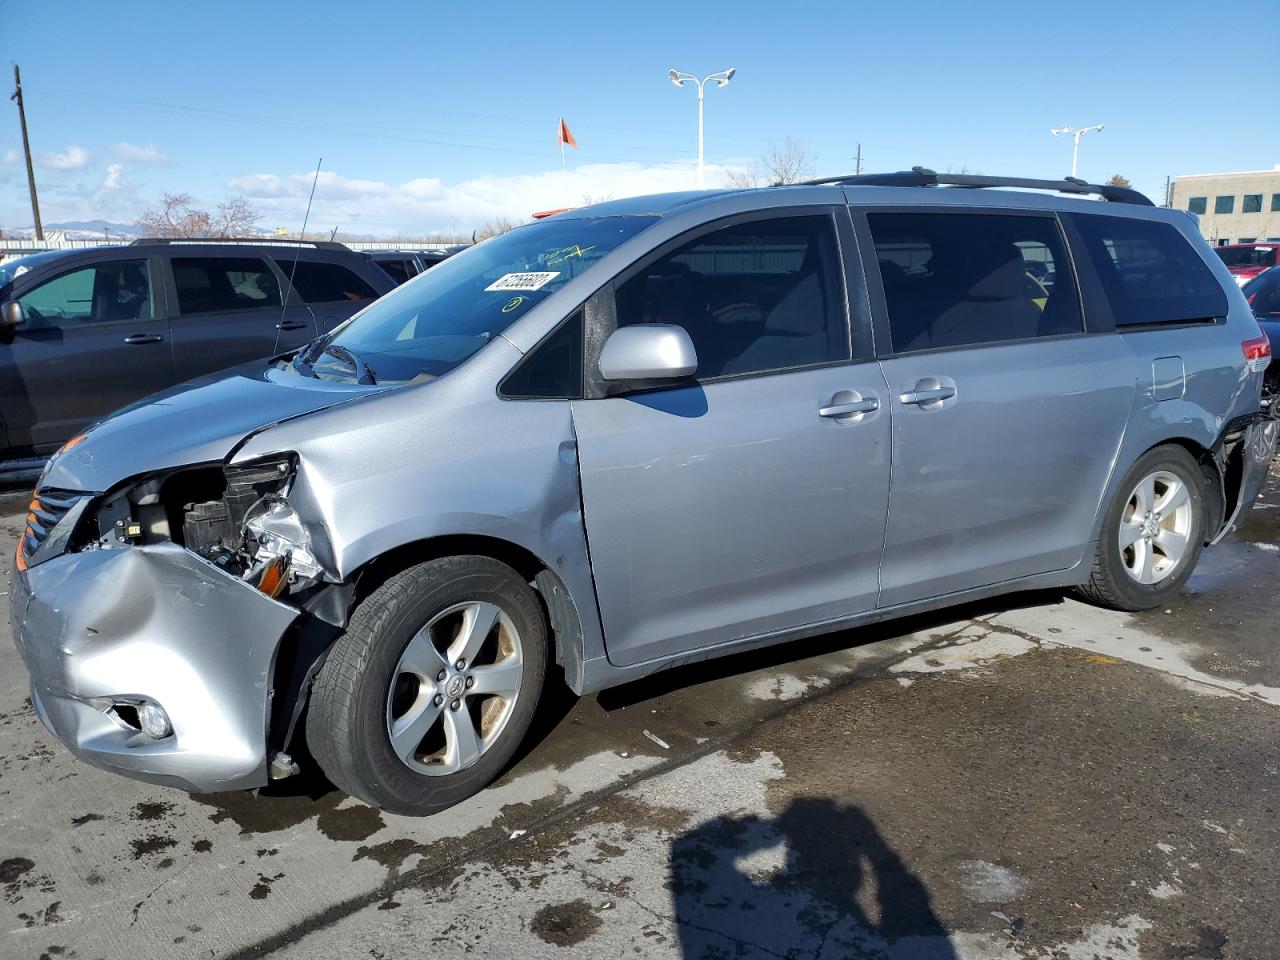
(26,148)
(857,162)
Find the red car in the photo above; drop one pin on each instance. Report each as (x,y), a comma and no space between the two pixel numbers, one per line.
(1247,260)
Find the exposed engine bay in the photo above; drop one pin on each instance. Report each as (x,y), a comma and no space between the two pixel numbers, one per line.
(236,517)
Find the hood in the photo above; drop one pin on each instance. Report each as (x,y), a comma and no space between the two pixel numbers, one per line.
(200,421)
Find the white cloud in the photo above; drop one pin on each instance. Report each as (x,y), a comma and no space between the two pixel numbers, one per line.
(76,158)
(114,178)
(146,154)
(427,205)
(11,156)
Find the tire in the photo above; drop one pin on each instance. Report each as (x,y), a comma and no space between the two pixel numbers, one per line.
(1120,578)
(379,677)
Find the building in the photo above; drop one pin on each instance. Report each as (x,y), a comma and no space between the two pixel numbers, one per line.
(1233,207)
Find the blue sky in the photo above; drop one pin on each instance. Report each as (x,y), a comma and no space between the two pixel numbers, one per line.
(432,115)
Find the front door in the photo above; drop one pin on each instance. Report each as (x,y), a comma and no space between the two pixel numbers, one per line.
(752,501)
(95,339)
(1007,417)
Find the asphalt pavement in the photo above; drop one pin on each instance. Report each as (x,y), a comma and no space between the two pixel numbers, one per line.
(1029,777)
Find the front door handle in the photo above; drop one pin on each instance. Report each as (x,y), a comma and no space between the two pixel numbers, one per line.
(292,325)
(143,338)
(848,405)
(928,391)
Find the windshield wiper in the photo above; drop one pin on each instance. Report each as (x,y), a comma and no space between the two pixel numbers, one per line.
(363,372)
(304,360)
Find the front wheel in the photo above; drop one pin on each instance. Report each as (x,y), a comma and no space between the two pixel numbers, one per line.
(1152,534)
(428,693)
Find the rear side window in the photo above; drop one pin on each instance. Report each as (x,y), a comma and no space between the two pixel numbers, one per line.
(1150,272)
(224,284)
(325,282)
(964,279)
(755,297)
(1263,294)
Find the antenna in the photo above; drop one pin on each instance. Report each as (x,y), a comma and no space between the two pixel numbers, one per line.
(284,306)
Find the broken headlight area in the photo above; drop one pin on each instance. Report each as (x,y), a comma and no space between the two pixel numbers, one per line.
(236,517)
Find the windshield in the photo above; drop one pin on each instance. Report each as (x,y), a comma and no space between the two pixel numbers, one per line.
(1247,256)
(436,321)
(10,270)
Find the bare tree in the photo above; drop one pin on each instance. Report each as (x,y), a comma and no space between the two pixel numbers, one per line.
(494,227)
(1119,180)
(791,162)
(746,177)
(236,218)
(176,218)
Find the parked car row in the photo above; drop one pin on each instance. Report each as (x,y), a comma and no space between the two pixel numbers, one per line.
(85,332)
(1248,260)
(1263,294)
(404,265)
(627,438)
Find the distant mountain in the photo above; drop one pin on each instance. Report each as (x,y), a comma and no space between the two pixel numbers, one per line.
(96,226)
(78,230)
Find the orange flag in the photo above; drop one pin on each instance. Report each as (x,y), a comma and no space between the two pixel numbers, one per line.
(564,136)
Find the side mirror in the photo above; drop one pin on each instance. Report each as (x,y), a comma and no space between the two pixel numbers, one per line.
(648,352)
(12,315)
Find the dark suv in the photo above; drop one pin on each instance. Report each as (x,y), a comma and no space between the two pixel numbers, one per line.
(85,332)
(404,265)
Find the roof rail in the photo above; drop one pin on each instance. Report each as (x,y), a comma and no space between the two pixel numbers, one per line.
(924,177)
(250,241)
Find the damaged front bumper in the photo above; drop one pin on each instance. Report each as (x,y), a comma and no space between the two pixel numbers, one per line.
(103,630)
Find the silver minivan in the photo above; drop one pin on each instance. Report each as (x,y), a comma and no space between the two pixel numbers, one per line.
(626,438)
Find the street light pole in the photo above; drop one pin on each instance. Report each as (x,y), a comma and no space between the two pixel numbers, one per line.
(1076,135)
(722,79)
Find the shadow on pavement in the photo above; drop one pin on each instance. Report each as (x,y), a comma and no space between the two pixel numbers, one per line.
(816,880)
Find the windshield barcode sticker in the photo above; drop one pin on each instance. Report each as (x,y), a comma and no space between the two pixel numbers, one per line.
(522,281)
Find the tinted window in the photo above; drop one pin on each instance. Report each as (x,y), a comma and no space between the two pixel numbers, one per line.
(1247,256)
(1263,294)
(398,269)
(325,282)
(553,369)
(956,279)
(224,284)
(758,296)
(1198,204)
(120,290)
(1224,204)
(1150,272)
(1275,203)
(1252,203)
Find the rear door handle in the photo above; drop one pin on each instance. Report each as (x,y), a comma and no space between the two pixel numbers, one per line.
(143,338)
(848,405)
(928,391)
(292,325)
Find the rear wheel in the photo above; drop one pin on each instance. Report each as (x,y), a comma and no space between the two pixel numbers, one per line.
(1152,534)
(426,696)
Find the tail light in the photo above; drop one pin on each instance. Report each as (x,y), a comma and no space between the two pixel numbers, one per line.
(1257,353)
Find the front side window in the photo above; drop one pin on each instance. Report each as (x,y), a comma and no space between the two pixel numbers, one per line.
(325,282)
(224,284)
(961,279)
(1224,204)
(1252,203)
(426,328)
(1150,272)
(119,290)
(754,297)
(1198,204)
(397,269)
